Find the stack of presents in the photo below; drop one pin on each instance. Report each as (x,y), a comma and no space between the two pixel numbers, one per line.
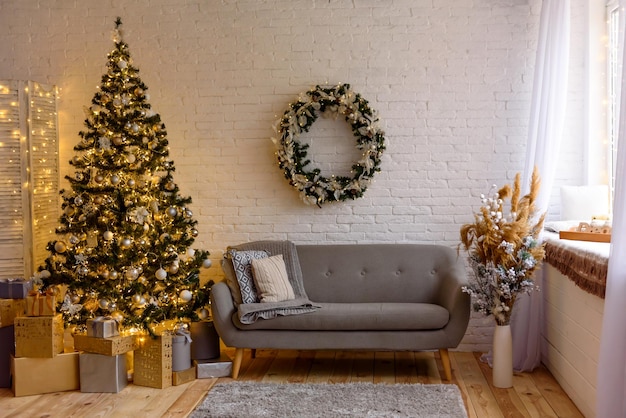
(37,355)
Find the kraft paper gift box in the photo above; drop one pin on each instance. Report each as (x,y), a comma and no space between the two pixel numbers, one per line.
(102,327)
(184,376)
(7,349)
(11,309)
(152,362)
(34,376)
(15,288)
(39,336)
(111,346)
(102,374)
(39,304)
(207,369)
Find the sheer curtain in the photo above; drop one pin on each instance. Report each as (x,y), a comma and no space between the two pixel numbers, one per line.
(544,140)
(611,385)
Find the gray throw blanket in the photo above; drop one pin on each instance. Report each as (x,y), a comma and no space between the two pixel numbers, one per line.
(250,312)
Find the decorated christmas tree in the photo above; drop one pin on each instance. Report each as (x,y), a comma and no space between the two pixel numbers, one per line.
(123,244)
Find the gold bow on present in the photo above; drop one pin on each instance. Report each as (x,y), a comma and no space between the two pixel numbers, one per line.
(40,304)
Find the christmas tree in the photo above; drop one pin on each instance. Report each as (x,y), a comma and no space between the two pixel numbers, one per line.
(123,244)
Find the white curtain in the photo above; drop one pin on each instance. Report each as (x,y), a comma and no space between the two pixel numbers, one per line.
(544,140)
(611,384)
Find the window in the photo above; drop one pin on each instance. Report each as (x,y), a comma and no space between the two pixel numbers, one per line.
(614,67)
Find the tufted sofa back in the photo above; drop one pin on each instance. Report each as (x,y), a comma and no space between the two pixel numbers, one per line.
(376,272)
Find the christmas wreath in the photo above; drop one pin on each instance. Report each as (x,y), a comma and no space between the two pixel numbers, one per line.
(292,155)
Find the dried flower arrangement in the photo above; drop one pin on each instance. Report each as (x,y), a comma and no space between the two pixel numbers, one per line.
(503,249)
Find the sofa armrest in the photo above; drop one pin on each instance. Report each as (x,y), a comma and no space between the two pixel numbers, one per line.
(451,296)
(222,311)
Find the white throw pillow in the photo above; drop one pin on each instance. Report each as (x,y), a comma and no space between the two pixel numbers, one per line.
(581,203)
(270,278)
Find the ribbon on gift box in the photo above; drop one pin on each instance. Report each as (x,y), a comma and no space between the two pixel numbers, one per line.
(40,304)
(181,330)
(100,321)
(15,288)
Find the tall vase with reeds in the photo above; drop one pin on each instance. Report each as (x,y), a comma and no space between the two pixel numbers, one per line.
(503,252)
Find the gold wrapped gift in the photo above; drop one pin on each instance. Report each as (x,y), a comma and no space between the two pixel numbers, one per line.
(184,376)
(39,304)
(11,309)
(111,346)
(33,376)
(39,336)
(153,362)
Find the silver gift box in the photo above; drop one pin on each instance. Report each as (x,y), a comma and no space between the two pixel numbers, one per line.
(220,367)
(102,374)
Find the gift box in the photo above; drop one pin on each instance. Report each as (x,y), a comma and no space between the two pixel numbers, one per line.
(34,376)
(152,362)
(102,327)
(205,343)
(15,288)
(184,376)
(11,309)
(207,369)
(181,351)
(7,349)
(39,304)
(38,336)
(110,346)
(102,374)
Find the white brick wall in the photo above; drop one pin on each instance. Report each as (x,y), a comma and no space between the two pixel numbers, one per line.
(451,80)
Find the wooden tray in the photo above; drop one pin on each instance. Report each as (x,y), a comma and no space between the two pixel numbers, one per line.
(585,236)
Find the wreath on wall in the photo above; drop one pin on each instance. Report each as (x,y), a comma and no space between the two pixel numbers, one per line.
(335,101)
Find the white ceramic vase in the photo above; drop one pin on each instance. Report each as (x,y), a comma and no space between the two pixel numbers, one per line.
(502,357)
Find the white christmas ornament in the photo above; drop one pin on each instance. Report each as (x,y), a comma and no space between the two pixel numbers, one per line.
(207,263)
(108,235)
(160,274)
(185,295)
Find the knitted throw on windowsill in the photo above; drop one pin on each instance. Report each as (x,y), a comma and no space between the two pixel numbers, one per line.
(585,263)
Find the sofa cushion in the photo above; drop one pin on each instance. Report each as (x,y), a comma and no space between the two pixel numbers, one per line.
(243,271)
(270,278)
(290,255)
(359,317)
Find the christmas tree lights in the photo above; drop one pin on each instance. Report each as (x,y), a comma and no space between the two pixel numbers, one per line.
(123,247)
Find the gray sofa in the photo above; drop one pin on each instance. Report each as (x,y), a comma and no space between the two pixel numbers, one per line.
(378,297)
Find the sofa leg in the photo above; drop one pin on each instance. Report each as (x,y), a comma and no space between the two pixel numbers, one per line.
(445,360)
(237,362)
(253,352)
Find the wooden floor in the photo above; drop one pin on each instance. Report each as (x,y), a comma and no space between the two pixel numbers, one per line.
(534,394)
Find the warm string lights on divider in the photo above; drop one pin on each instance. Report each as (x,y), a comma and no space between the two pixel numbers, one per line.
(29,179)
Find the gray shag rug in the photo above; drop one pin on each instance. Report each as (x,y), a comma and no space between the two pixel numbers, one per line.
(250,400)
